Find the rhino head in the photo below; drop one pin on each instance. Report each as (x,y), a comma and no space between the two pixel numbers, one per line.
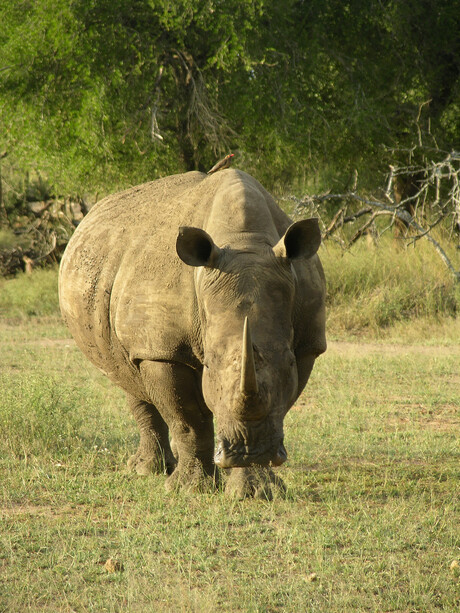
(246,304)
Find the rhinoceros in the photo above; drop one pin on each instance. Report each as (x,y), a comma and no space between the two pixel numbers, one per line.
(199,297)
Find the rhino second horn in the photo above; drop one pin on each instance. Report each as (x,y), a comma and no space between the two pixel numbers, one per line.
(248,384)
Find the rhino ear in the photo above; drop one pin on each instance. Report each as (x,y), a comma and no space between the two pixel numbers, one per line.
(301,240)
(196,248)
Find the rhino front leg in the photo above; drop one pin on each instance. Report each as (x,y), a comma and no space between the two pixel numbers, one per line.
(154,454)
(175,390)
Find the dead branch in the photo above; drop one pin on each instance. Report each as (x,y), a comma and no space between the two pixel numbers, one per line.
(427,195)
(365,227)
(337,221)
(355,216)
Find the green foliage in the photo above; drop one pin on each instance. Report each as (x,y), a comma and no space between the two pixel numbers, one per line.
(104,94)
(19,189)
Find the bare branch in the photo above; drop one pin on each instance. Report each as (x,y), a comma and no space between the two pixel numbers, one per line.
(365,227)
(337,221)
(355,216)
(417,197)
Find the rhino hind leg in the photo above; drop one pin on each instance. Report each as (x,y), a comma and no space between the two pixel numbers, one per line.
(175,391)
(154,454)
(253,482)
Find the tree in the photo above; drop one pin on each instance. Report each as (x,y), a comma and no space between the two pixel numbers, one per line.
(110,92)
(110,82)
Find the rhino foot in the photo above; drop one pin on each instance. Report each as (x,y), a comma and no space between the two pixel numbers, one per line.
(148,463)
(254,482)
(193,476)
(154,453)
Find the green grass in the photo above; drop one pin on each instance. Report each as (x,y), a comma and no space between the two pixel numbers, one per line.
(372,487)
(29,295)
(373,288)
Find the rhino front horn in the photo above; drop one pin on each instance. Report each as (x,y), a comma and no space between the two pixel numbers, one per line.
(248,384)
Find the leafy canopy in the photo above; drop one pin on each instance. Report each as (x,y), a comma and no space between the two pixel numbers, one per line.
(109,92)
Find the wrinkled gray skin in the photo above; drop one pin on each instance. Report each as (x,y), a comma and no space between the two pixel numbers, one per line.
(156,286)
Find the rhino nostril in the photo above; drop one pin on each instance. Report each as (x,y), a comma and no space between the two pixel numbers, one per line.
(281,456)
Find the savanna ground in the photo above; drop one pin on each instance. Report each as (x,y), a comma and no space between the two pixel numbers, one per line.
(370,519)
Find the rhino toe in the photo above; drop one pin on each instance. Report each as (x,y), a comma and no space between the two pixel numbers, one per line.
(147,464)
(192,476)
(254,482)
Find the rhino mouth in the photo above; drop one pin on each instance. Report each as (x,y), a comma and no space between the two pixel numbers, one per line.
(238,455)
(246,445)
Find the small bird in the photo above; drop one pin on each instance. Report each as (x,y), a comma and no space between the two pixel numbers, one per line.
(225,163)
